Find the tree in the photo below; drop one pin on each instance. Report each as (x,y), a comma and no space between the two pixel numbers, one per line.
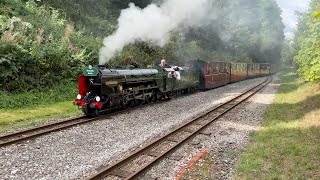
(307,38)
(287,53)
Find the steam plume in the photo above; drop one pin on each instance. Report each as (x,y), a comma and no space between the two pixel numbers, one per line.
(153,24)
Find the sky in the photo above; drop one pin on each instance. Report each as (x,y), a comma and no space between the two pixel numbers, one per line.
(288,13)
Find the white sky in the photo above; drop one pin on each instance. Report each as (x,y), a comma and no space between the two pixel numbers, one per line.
(289,18)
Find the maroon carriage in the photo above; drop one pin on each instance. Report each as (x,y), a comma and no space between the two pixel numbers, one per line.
(214,74)
(253,70)
(239,72)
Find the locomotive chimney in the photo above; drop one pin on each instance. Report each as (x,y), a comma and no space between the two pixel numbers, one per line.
(103,67)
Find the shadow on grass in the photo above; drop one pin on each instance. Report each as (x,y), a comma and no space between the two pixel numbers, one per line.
(290,84)
(283,153)
(286,112)
(288,145)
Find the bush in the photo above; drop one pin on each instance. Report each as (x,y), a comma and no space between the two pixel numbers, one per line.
(37,53)
(307,38)
(59,93)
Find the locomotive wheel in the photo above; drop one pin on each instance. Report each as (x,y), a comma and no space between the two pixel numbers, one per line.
(147,100)
(131,103)
(125,104)
(153,97)
(168,95)
(90,112)
(159,96)
(175,93)
(137,102)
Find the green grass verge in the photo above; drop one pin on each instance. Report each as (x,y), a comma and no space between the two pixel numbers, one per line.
(287,146)
(17,118)
(31,108)
(46,96)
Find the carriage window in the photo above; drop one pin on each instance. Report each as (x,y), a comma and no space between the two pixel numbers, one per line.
(212,68)
(223,68)
(216,68)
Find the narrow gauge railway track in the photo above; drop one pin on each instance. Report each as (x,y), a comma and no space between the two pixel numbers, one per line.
(31,133)
(139,161)
(38,131)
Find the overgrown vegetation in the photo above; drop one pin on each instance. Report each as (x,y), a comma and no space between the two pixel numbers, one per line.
(39,48)
(45,43)
(306,47)
(288,144)
(35,98)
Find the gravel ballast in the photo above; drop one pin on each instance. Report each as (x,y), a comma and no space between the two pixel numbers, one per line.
(75,152)
(229,136)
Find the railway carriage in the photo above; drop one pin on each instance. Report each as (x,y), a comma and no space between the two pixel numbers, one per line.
(239,72)
(213,74)
(265,69)
(253,70)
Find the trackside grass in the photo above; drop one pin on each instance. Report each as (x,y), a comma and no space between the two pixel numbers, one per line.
(16,118)
(287,146)
(34,107)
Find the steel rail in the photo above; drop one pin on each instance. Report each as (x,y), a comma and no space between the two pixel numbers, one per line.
(31,133)
(150,150)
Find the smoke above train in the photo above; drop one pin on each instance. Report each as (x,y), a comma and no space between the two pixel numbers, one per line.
(154,24)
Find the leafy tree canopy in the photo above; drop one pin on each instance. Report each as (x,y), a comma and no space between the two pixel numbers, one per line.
(307,38)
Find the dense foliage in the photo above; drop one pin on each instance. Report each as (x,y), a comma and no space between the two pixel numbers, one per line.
(44,43)
(95,16)
(306,43)
(47,96)
(288,52)
(38,48)
(242,31)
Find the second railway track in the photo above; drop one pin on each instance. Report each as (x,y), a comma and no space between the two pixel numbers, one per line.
(139,161)
(31,133)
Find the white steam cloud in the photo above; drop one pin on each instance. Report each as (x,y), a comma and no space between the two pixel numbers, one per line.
(153,23)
